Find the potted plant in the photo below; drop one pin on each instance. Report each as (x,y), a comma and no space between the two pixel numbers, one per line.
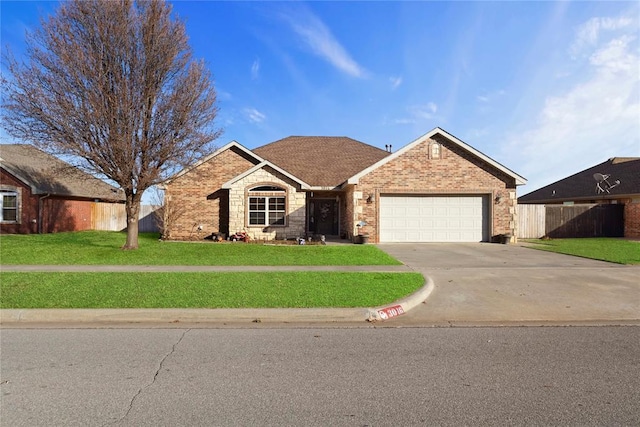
(361,238)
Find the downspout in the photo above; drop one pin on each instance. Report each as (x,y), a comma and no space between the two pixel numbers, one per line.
(40,204)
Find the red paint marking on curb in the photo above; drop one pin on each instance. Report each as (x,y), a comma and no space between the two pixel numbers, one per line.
(389,312)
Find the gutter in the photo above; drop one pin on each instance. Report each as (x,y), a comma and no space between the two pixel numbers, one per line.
(40,199)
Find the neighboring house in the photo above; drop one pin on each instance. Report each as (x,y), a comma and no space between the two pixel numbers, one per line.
(40,193)
(435,189)
(614,182)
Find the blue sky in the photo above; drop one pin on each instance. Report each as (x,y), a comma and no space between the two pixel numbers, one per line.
(545,88)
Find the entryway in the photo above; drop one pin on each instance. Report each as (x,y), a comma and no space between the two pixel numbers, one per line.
(323,216)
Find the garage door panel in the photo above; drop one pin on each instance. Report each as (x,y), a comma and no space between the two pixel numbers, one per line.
(426,212)
(434,218)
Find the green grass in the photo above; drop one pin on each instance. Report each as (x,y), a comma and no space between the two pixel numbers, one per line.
(103,248)
(192,290)
(606,249)
(204,290)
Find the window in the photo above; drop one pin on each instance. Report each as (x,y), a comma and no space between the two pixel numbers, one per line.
(9,206)
(267,205)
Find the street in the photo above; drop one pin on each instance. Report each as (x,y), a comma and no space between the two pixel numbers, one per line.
(321,376)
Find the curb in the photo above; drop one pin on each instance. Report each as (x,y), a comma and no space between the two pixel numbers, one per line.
(216,315)
(176,315)
(403,305)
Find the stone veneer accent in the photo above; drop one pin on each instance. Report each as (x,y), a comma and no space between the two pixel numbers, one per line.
(238,211)
(349,220)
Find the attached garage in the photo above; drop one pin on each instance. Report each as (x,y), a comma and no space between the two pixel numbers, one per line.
(434,218)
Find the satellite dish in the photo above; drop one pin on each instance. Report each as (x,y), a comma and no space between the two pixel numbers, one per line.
(600,177)
(602,183)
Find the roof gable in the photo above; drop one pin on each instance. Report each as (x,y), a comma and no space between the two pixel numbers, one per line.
(46,174)
(321,161)
(518,179)
(230,145)
(259,166)
(583,185)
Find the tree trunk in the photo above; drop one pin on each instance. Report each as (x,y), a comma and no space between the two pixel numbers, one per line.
(132,207)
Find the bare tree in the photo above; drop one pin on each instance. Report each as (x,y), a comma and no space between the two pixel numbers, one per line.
(113,83)
(167,213)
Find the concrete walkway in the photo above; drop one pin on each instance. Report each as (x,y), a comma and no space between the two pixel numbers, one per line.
(201,268)
(465,284)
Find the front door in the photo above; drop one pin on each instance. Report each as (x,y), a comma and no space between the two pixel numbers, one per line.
(325,216)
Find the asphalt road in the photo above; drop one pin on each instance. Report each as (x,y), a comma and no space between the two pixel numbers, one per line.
(330,376)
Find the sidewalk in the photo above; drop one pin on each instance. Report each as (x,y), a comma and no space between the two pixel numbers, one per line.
(465,285)
(207,317)
(201,268)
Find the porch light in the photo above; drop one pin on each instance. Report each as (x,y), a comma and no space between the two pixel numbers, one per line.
(370,198)
(498,199)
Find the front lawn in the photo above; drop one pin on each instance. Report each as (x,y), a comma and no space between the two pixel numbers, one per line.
(204,290)
(192,290)
(103,248)
(606,249)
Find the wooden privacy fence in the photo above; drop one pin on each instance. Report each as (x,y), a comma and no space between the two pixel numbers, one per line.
(113,217)
(558,221)
(591,220)
(531,221)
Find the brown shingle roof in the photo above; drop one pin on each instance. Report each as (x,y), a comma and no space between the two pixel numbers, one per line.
(583,186)
(321,161)
(47,174)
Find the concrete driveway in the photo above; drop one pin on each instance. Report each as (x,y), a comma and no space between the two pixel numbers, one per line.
(483,283)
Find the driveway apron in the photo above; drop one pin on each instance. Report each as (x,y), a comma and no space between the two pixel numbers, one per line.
(483,283)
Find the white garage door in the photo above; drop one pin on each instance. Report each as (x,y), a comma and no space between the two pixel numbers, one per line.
(434,218)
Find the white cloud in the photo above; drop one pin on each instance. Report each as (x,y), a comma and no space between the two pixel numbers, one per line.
(490,96)
(426,111)
(596,118)
(395,82)
(255,69)
(616,56)
(318,37)
(418,113)
(590,32)
(254,115)
(224,95)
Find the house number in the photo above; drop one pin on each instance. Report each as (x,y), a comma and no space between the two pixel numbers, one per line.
(389,312)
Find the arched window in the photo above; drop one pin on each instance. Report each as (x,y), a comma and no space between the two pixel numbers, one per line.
(267,205)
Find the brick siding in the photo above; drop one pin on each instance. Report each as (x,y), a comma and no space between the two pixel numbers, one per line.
(198,196)
(455,172)
(632,218)
(58,213)
(27,206)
